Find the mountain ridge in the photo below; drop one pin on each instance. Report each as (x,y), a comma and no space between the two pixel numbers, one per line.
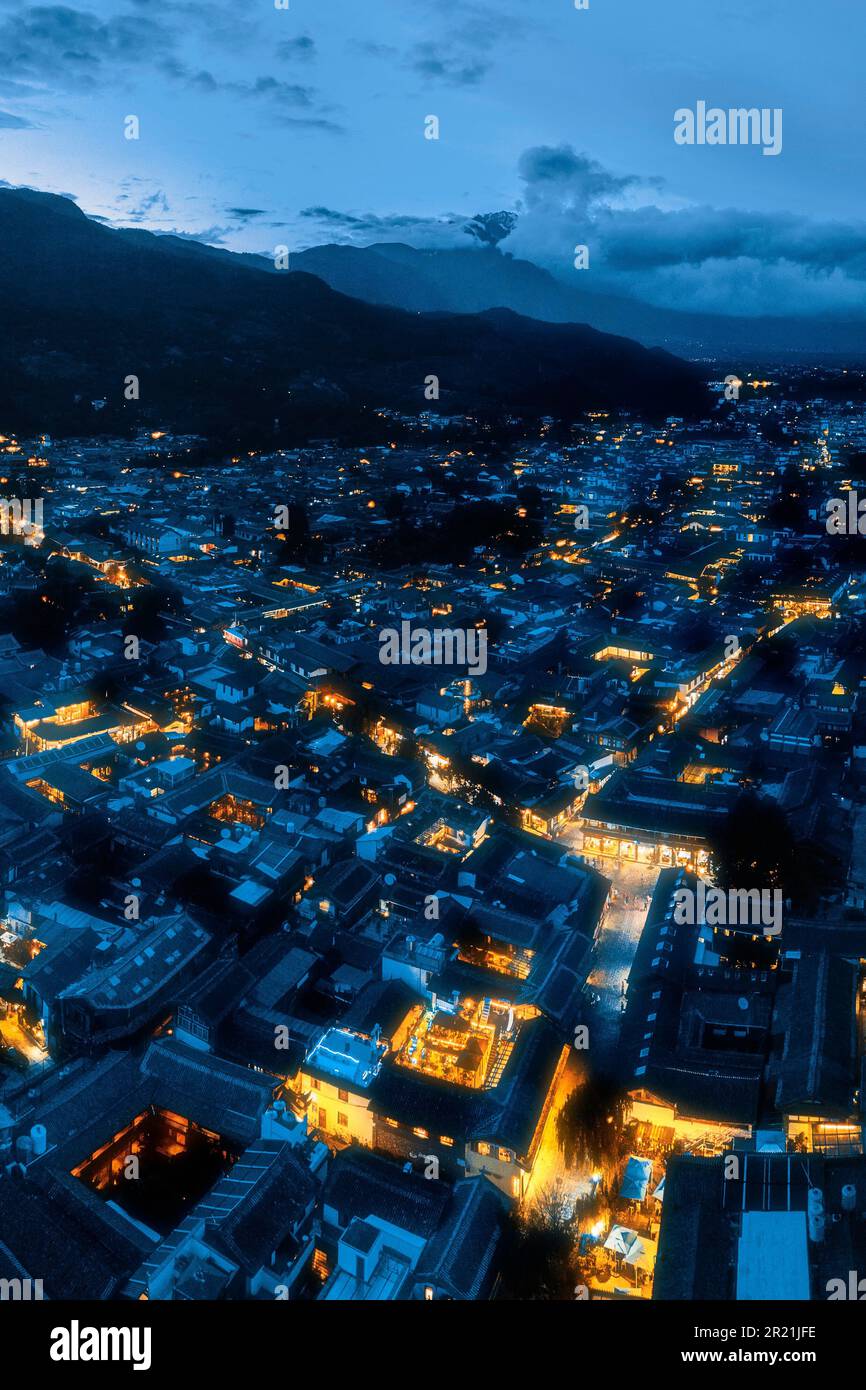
(478,277)
(216,341)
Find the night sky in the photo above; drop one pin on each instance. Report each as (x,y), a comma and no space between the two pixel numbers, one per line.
(262,126)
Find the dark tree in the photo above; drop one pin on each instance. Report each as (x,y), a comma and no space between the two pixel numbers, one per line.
(589,1127)
(394,505)
(539,1259)
(150,605)
(755,848)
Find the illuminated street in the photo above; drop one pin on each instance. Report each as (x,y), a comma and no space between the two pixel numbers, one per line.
(614,953)
(611,962)
(633,887)
(549,1169)
(15,1036)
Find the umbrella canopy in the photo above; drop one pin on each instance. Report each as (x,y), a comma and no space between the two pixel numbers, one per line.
(638,1251)
(642,1254)
(620,1240)
(636,1179)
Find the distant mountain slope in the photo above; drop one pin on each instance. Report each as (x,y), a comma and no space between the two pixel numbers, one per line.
(216,339)
(471,279)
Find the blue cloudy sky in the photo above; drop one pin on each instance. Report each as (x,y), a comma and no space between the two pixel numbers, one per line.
(262,126)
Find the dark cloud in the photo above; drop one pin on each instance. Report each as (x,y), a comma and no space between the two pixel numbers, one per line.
(222,24)
(301,48)
(490,228)
(209,236)
(245,214)
(285,96)
(482,25)
(76,50)
(140,206)
(463,56)
(361,228)
(288,93)
(648,238)
(454,68)
(367,220)
(642,244)
(558,173)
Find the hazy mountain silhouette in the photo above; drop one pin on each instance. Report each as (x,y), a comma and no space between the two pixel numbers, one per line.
(471,279)
(218,340)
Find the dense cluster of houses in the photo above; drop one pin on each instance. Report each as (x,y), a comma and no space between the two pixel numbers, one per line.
(314,929)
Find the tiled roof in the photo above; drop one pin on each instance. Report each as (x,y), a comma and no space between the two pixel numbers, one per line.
(361,1184)
(460,1257)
